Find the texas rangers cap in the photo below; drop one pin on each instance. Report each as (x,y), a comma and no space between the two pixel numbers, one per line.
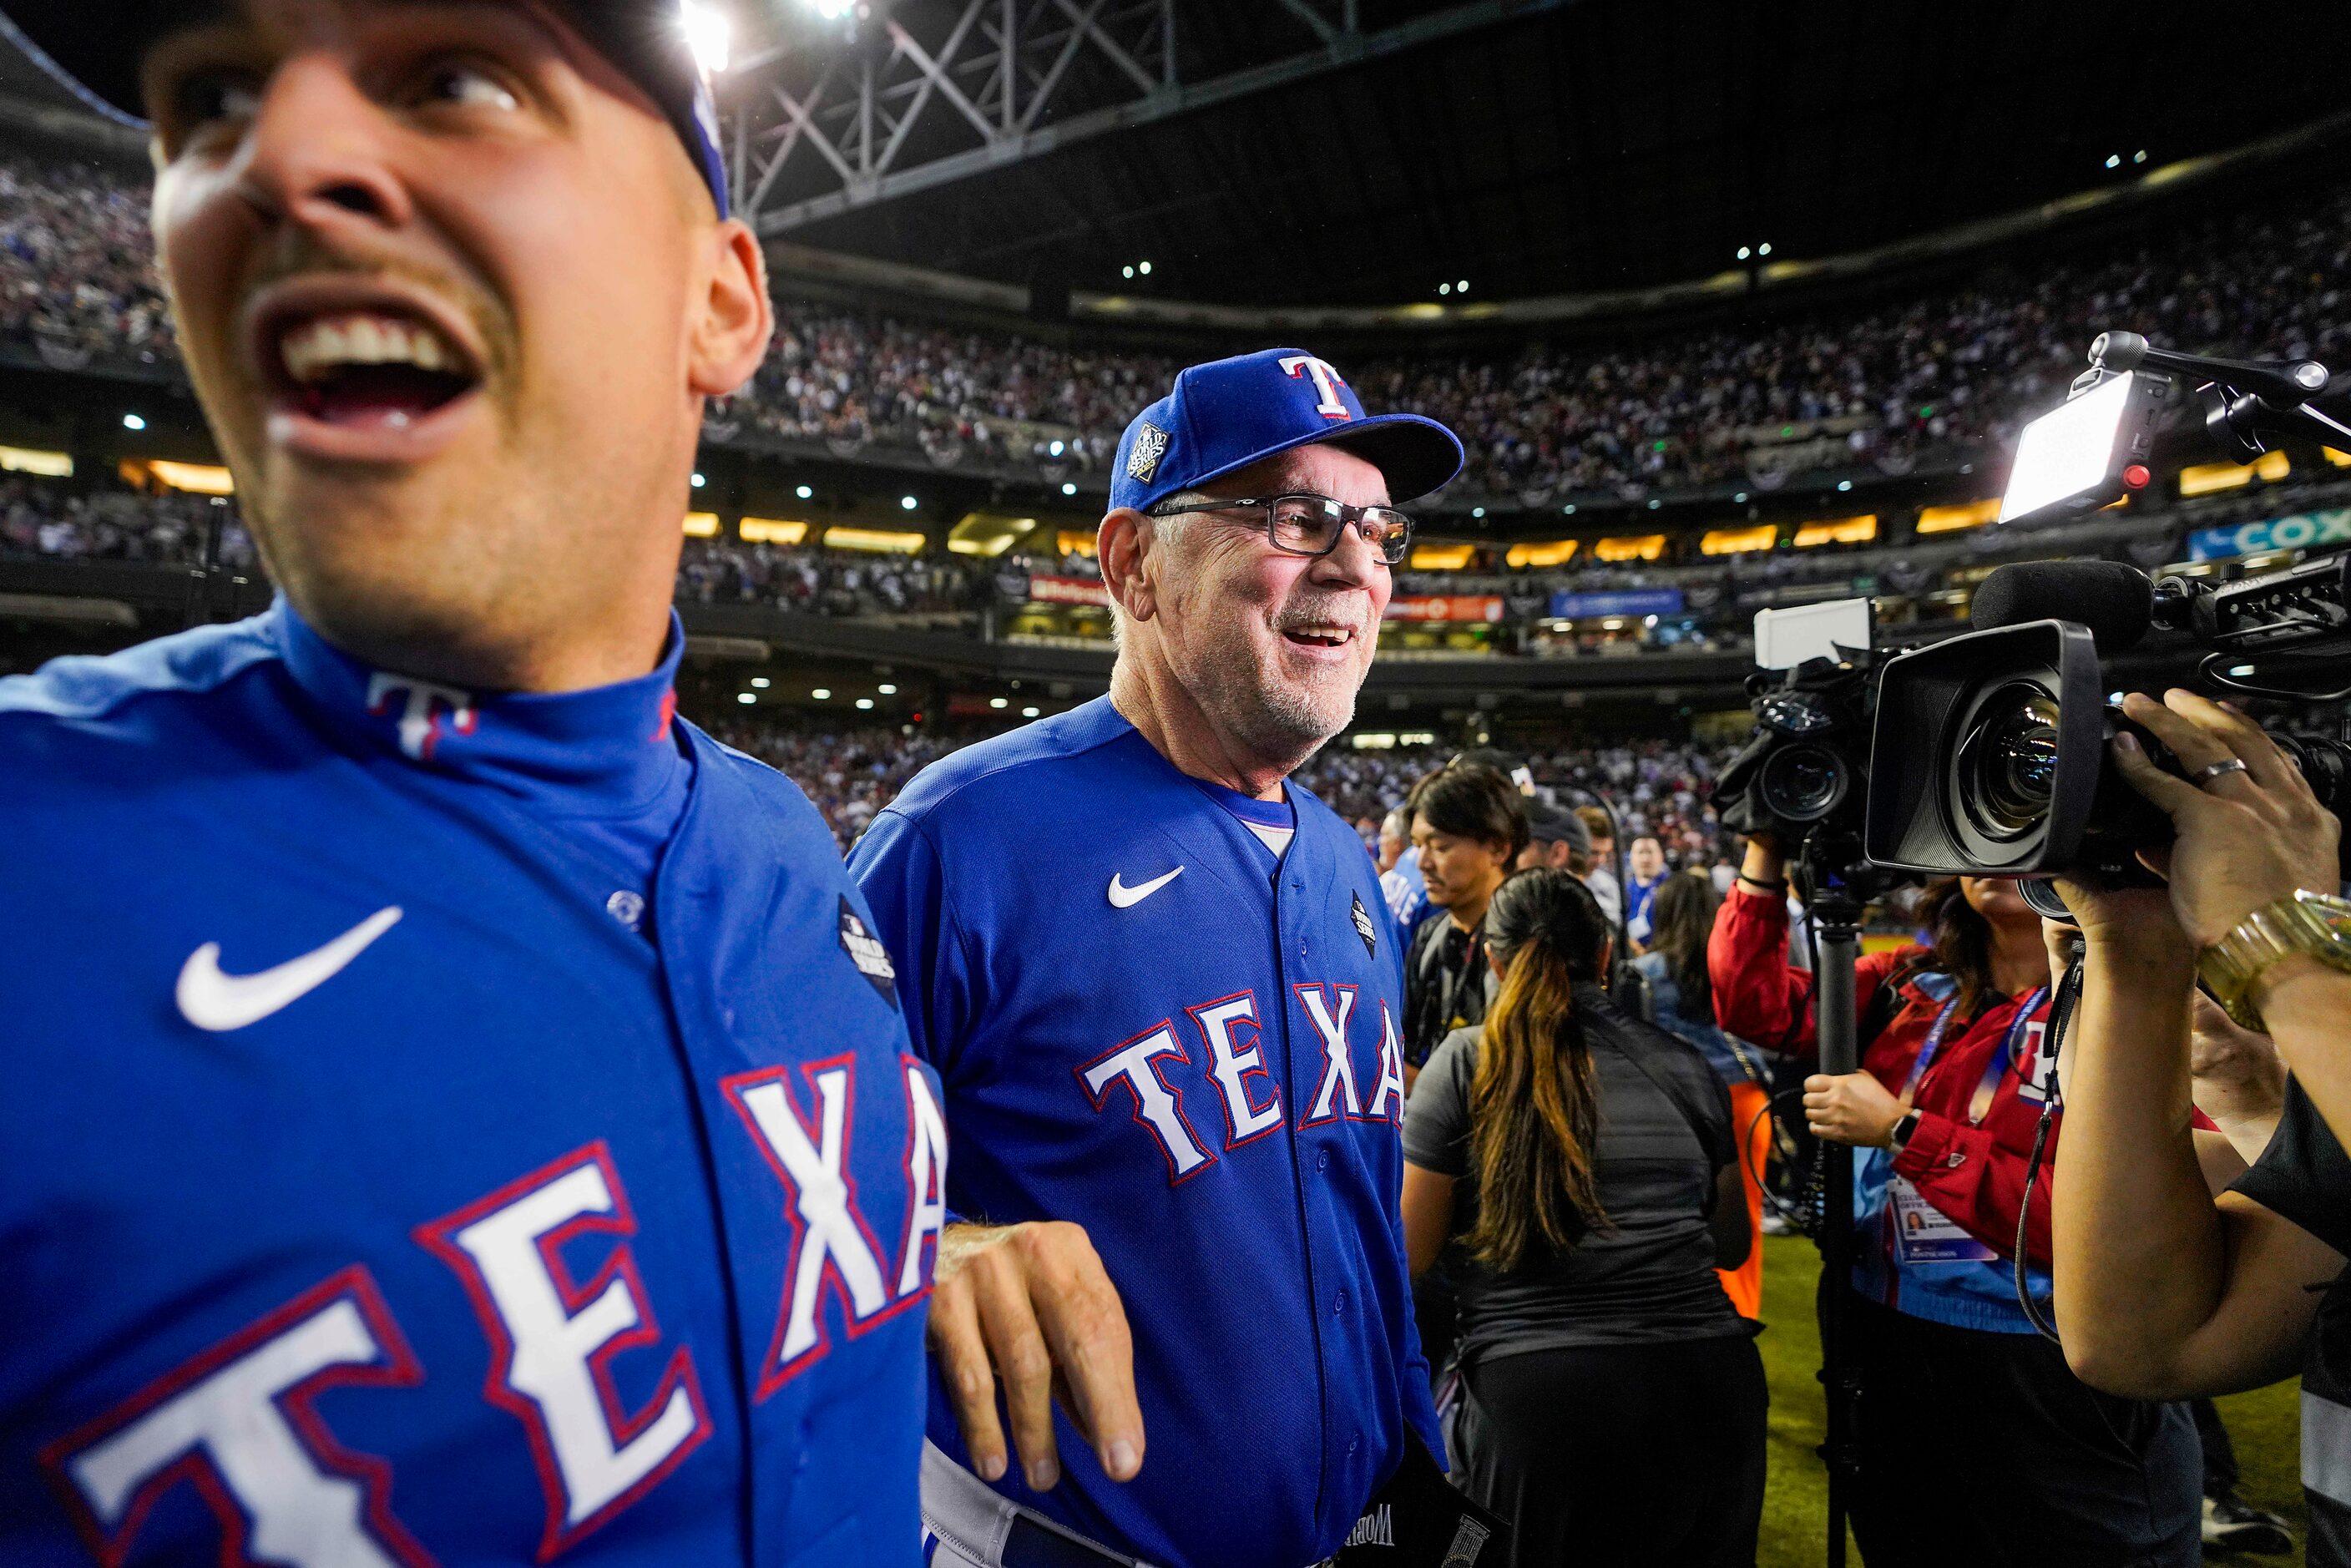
(95,51)
(1229,413)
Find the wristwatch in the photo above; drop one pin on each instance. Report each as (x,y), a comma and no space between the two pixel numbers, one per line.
(1904,1131)
(2318,923)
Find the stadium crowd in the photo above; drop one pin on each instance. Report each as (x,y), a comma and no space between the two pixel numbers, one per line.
(1957,366)
(1657,787)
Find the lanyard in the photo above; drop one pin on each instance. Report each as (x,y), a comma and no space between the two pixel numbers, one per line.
(1979,1103)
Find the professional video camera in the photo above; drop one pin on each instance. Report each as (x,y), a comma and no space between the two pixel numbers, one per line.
(1989,754)
(1804,778)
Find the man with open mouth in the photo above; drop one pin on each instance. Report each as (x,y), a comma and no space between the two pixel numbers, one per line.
(455,1108)
(1163,991)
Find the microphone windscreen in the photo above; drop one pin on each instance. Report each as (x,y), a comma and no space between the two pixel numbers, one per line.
(2114,600)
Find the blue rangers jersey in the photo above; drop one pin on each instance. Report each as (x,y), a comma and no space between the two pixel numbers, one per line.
(1143,1025)
(441,1128)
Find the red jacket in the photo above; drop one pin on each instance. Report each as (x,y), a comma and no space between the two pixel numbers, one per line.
(1972,1173)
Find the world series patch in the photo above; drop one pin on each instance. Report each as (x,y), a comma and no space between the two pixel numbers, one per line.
(1364,926)
(1150,446)
(865,951)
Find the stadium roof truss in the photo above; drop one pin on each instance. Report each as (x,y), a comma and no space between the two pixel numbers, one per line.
(819,129)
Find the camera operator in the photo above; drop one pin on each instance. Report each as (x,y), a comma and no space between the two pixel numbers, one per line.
(1942,1118)
(2167,1291)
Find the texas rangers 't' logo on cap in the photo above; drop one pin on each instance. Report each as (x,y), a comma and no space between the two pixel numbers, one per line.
(1225,414)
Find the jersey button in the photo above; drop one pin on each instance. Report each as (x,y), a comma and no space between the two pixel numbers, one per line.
(1339,1303)
(1354,1443)
(1321,1159)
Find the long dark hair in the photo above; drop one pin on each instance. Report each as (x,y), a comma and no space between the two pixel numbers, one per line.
(1962,945)
(1681,920)
(1535,1104)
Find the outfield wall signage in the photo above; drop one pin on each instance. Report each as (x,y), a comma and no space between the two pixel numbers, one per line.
(1567,606)
(2303,530)
(1447,607)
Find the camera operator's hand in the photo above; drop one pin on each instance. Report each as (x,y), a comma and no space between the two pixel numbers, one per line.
(1763,866)
(2247,837)
(1853,1108)
(2239,1077)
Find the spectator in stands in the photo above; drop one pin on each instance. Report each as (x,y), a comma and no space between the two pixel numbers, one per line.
(1942,1117)
(1682,1002)
(1400,879)
(1612,1402)
(1469,824)
(1603,880)
(1645,870)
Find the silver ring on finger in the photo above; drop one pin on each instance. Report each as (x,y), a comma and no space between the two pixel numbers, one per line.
(2203,776)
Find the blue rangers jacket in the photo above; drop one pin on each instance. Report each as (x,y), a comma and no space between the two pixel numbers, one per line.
(1143,1026)
(441,1128)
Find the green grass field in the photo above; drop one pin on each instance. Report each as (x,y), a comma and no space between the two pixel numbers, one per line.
(2264,1425)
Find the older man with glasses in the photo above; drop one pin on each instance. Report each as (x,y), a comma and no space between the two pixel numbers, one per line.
(1163,995)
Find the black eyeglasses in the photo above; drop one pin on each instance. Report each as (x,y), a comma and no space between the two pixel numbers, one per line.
(1310,525)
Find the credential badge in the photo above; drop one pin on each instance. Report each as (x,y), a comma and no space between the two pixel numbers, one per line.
(865,951)
(1364,926)
(1150,446)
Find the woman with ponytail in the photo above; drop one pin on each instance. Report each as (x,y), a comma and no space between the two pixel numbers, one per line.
(1612,1402)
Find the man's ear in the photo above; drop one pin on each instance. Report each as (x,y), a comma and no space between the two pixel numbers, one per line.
(1123,547)
(735,316)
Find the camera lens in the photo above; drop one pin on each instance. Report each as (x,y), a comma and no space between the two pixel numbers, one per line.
(1803,783)
(2008,762)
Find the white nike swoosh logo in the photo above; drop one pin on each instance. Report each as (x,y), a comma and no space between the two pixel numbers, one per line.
(1124,897)
(212,1000)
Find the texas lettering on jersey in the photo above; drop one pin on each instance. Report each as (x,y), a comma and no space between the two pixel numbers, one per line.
(239,1423)
(1149,1075)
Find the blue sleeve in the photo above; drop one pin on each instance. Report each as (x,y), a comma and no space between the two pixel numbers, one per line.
(898,870)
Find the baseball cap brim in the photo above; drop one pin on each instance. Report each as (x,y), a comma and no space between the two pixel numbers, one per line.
(1415,455)
(94,52)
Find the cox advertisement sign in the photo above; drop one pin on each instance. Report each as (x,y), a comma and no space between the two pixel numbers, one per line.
(2304,530)
(1634,602)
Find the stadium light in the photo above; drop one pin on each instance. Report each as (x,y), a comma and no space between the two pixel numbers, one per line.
(996,702)
(1744,251)
(1068,487)
(708,34)
(700,481)
(823,694)
(804,493)
(1569,509)
(1029,713)
(864,705)
(1144,268)
(2113,161)
(1741,496)
(908,502)
(1845,483)
(760,682)
(1444,288)
(1126,271)
(1462,287)
(745,697)
(1477,511)
(133,422)
(886,689)
(1654,503)
(1055,449)
(2139,156)
(831,10)
(1763,249)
